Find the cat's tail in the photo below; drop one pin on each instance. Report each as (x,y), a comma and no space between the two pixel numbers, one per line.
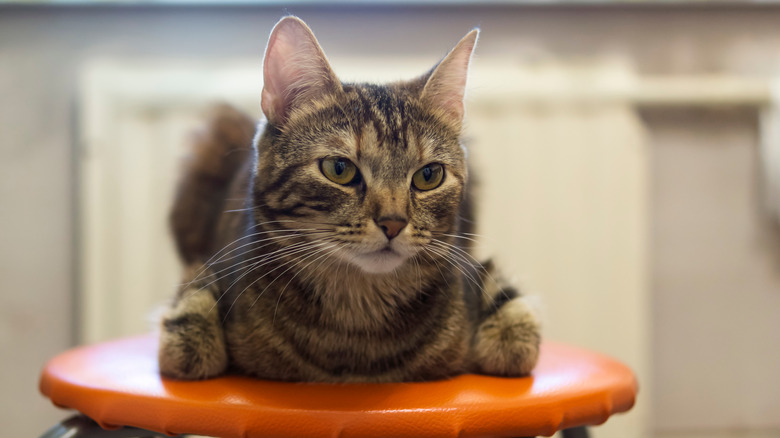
(217,154)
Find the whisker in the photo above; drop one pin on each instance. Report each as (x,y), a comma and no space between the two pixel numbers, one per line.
(264,256)
(242,263)
(464,254)
(448,256)
(239,210)
(273,321)
(248,266)
(477,264)
(315,244)
(271,257)
(329,224)
(454,261)
(265,241)
(457,236)
(308,275)
(419,274)
(276,278)
(208,262)
(280,221)
(461,218)
(438,267)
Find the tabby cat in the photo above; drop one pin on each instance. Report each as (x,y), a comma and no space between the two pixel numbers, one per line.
(334,246)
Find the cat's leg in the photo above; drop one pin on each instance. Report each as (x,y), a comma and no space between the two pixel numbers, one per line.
(192,344)
(507,337)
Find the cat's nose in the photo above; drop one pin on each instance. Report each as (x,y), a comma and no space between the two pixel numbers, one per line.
(391,226)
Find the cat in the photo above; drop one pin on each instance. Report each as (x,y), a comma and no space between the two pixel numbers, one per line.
(333,245)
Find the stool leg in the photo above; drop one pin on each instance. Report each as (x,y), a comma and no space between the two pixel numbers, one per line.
(576,432)
(81,426)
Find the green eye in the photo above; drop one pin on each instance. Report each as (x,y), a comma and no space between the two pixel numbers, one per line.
(339,170)
(429,177)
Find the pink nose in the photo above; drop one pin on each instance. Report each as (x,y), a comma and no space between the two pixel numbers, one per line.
(391,226)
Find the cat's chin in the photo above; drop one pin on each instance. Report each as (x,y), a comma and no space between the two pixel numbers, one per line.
(383,261)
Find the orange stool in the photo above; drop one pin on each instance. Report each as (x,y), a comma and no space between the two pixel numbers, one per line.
(117,385)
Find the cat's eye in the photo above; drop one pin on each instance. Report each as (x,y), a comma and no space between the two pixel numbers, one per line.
(339,170)
(429,177)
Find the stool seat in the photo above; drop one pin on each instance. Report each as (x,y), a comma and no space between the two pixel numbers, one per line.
(117,384)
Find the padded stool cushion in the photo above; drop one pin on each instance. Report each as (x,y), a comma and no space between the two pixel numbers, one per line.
(117,384)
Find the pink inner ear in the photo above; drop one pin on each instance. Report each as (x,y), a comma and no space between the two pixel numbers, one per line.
(275,81)
(446,87)
(451,89)
(271,73)
(295,69)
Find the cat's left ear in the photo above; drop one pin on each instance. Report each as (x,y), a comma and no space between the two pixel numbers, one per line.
(446,86)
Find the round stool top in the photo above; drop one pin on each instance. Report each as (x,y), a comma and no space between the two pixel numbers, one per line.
(118,384)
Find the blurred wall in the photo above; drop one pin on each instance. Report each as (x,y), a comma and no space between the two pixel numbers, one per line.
(41,49)
(716,273)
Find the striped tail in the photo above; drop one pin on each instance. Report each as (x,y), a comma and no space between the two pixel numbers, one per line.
(218,153)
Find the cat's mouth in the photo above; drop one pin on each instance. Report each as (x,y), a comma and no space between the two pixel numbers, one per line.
(388,250)
(380,261)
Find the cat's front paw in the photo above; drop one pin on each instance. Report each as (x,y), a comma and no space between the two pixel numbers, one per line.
(192,345)
(507,342)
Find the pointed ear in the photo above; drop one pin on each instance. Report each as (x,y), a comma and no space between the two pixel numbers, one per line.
(446,86)
(295,69)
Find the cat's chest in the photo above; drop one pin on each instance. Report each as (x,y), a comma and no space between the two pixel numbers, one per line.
(343,311)
(305,336)
(339,322)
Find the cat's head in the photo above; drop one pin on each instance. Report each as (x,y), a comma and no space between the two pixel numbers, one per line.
(373,173)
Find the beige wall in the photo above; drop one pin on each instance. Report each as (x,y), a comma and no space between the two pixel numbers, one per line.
(716,259)
(41,49)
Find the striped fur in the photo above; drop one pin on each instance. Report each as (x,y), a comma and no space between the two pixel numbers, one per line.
(293,277)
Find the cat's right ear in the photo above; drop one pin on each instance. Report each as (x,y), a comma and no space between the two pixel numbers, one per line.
(446,86)
(295,70)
